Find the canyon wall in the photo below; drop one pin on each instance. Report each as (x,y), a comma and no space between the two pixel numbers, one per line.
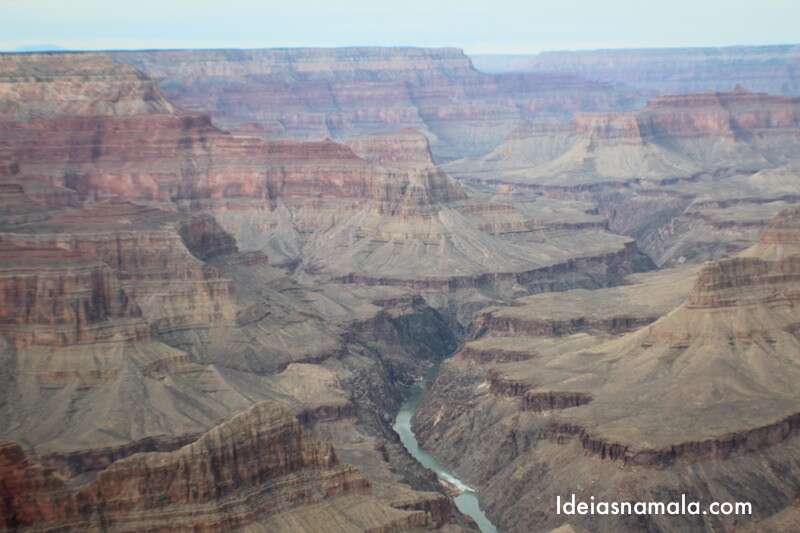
(685,404)
(345,92)
(239,474)
(773,69)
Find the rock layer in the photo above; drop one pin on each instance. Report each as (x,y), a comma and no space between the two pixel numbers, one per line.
(346,92)
(687,403)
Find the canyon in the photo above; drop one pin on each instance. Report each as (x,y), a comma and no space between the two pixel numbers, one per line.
(710,380)
(772,69)
(223,271)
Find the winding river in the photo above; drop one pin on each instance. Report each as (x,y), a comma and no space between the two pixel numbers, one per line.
(467,500)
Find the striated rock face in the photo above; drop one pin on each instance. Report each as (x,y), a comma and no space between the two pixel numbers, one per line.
(780,239)
(174,158)
(38,86)
(403,148)
(771,69)
(131,324)
(612,310)
(691,177)
(55,298)
(345,92)
(162,278)
(259,463)
(125,271)
(672,137)
(687,404)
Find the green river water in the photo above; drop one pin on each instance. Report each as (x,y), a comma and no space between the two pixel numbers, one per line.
(467,502)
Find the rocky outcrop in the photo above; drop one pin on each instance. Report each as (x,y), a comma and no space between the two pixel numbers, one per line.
(36,86)
(545,279)
(128,273)
(486,323)
(720,448)
(404,148)
(346,92)
(259,463)
(56,297)
(685,404)
(673,137)
(603,311)
(745,281)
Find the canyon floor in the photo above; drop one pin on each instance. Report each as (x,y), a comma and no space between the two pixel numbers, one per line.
(221,271)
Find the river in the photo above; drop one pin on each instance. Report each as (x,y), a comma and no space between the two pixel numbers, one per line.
(467,500)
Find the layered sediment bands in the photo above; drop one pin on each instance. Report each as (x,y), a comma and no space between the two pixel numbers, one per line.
(34,86)
(721,284)
(484,356)
(151,269)
(544,279)
(184,158)
(346,92)
(534,401)
(80,462)
(54,297)
(720,448)
(258,463)
(672,137)
(771,69)
(781,238)
(605,311)
(506,326)
(144,150)
(404,148)
(688,404)
(538,402)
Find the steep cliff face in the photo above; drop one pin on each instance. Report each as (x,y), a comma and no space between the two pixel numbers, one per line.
(316,204)
(316,93)
(259,464)
(611,310)
(687,404)
(131,324)
(402,148)
(135,268)
(672,137)
(772,69)
(690,177)
(183,158)
(35,86)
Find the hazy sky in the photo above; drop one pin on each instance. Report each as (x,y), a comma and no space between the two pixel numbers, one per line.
(514,26)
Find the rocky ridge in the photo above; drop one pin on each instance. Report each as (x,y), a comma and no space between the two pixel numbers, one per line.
(259,464)
(686,403)
(349,92)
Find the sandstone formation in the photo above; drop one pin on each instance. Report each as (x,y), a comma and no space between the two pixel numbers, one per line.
(690,177)
(689,403)
(220,271)
(346,92)
(259,464)
(680,136)
(132,322)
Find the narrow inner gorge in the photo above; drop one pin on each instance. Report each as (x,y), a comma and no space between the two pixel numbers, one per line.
(467,499)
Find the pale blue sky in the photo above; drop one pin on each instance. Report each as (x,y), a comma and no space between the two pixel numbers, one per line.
(512,26)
